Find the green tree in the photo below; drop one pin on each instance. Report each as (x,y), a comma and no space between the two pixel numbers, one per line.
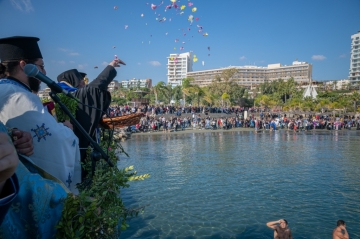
(160,87)
(186,84)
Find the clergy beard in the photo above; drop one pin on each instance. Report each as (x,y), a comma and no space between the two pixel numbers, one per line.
(34,84)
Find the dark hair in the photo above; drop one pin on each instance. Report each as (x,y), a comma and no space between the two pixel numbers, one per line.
(340,223)
(285,221)
(9,68)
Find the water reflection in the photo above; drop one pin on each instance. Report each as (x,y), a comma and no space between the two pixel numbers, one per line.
(229,184)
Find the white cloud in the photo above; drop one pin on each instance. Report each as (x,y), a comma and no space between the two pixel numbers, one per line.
(22,5)
(64,49)
(58,62)
(105,63)
(242,58)
(82,66)
(342,56)
(154,63)
(71,52)
(139,63)
(318,57)
(74,54)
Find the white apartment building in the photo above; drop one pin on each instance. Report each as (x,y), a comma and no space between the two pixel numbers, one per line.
(354,75)
(136,83)
(114,85)
(178,66)
(249,76)
(337,84)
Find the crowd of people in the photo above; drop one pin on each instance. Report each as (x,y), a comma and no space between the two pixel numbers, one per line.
(115,111)
(169,119)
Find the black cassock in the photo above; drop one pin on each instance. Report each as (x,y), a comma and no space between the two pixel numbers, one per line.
(94,94)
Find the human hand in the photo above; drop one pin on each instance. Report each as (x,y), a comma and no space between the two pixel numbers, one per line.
(342,227)
(8,158)
(23,142)
(68,124)
(116,62)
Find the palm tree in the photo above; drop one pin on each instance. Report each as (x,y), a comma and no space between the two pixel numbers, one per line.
(289,88)
(158,88)
(225,97)
(186,83)
(355,97)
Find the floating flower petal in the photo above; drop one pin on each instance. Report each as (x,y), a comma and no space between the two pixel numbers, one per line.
(194,9)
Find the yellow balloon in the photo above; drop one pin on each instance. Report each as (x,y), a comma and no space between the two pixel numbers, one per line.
(194,9)
(183,7)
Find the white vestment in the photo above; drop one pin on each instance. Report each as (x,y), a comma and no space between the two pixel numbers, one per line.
(56,147)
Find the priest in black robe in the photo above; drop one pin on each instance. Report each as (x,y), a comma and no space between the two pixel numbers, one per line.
(94,94)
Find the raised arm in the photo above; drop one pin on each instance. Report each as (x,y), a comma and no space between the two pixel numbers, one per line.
(106,76)
(273,224)
(338,233)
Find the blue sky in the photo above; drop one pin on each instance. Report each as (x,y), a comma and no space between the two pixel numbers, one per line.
(82,34)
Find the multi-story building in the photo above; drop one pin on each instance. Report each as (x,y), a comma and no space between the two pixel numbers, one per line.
(114,85)
(249,76)
(136,83)
(178,66)
(337,84)
(354,75)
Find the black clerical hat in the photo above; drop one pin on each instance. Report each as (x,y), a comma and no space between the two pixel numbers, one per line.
(72,77)
(82,74)
(17,48)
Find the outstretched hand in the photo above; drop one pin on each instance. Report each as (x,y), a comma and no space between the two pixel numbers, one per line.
(116,63)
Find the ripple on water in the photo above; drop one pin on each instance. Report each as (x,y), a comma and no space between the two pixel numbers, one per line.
(229,184)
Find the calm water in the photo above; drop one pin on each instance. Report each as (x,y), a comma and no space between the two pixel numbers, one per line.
(229,184)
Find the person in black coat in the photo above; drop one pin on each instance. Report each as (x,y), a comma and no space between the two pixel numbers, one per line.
(94,94)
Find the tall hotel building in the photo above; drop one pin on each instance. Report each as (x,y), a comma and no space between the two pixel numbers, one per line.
(249,76)
(354,76)
(178,67)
